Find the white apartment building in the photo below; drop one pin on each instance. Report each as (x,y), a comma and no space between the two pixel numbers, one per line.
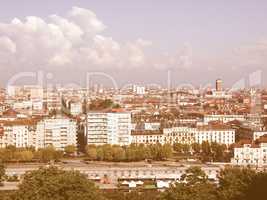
(183,135)
(52,99)
(218,133)
(36,104)
(108,128)
(147,137)
(58,132)
(19,133)
(186,135)
(223,118)
(250,153)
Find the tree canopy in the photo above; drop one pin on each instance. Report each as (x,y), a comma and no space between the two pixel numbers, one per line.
(53,183)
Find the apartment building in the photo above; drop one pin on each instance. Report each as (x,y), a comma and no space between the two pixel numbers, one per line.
(19,133)
(183,135)
(251,152)
(223,118)
(220,134)
(58,132)
(147,137)
(108,128)
(186,135)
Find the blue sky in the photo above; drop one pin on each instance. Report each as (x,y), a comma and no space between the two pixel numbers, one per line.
(224,39)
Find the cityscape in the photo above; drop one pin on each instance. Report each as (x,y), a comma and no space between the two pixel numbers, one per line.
(128,132)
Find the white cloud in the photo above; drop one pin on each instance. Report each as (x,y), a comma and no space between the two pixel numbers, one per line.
(75,40)
(86,19)
(7,45)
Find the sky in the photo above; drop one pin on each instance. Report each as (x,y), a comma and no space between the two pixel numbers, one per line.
(141,41)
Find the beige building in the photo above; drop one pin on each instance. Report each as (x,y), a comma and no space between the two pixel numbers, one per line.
(58,132)
(108,128)
(251,153)
(19,133)
(186,135)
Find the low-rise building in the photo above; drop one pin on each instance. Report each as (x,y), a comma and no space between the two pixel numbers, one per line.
(220,134)
(223,118)
(183,135)
(251,152)
(147,137)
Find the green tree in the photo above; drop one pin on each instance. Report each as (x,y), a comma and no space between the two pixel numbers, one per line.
(218,152)
(166,151)
(178,147)
(194,186)
(186,148)
(70,149)
(194,175)
(142,152)
(23,155)
(48,154)
(118,153)
(206,153)
(100,153)
(53,183)
(91,152)
(196,148)
(233,182)
(8,153)
(131,153)
(2,172)
(107,150)
(257,187)
(180,191)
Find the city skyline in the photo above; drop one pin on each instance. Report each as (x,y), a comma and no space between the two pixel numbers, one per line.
(140,38)
(143,99)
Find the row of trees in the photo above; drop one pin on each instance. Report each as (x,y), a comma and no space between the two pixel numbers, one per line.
(53,183)
(11,153)
(206,151)
(131,153)
(234,184)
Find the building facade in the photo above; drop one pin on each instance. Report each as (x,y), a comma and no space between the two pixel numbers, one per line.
(251,154)
(18,133)
(186,135)
(108,128)
(223,118)
(58,132)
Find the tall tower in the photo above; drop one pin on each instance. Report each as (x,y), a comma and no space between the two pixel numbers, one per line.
(219,85)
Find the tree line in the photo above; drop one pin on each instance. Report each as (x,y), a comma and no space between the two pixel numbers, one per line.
(206,152)
(129,153)
(13,154)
